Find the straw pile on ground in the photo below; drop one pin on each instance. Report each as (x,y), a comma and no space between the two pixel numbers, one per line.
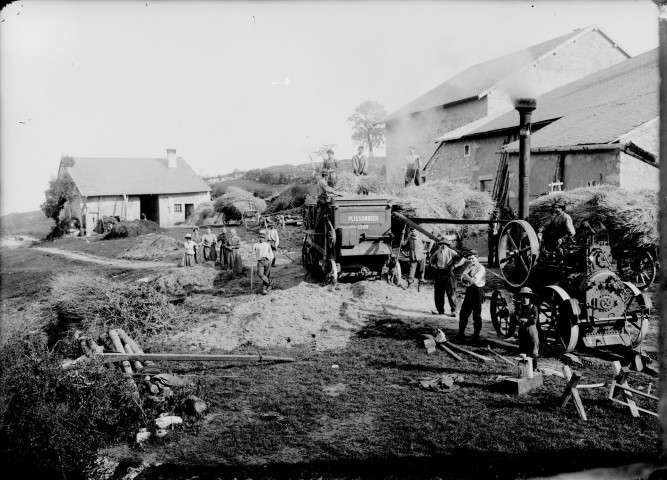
(133,228)
(205,214)
(360,185)
(153,247)
(442,199)
(235,201)
(292,196)
(630,217)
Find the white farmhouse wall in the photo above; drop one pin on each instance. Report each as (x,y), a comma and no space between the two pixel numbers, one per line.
(637,174)
(171,214)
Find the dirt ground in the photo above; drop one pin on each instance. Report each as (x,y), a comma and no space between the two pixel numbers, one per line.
(349,406)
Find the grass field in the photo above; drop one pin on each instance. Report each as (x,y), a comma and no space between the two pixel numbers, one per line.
(34,224)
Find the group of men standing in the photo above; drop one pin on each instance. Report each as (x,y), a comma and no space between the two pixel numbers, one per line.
(445,260)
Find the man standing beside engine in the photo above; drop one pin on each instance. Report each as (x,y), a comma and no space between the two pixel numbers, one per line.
(416,256)
(444,261)
(474,279)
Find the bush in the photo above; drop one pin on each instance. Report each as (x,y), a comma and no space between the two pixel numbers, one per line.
(62,227)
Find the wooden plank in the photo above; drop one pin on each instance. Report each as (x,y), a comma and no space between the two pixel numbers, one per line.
(506,360)
(500,342)
(639,409)
(450,353)
(118,346)
(592,385)
(187,357)
(473,354)
(638,392)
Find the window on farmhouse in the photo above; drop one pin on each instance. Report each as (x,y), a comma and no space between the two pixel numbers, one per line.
(485,185)
(466,150)
(178,207)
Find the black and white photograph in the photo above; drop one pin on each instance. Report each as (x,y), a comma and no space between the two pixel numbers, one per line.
(300,239)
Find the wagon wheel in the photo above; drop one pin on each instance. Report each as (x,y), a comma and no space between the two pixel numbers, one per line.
(639,268)
(331,272)
(518,250)
(638,312)
(558,320)
(502,314)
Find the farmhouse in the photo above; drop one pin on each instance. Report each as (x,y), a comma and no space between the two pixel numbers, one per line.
(486,89)
(165,190)
(603,128)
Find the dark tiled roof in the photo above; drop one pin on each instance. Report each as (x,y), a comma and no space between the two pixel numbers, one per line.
(479,78)
(598,108)
(134,176)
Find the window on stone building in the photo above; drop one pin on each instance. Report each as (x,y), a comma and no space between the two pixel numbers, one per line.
(178,207)
(485,185)
(466,150)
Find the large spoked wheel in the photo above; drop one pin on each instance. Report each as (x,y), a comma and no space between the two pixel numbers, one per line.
(502,314)
(518,249)
(639,268)
(331,272)
(558,320)
(638,313)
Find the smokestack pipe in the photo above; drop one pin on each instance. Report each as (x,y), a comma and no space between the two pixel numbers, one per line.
(525,107)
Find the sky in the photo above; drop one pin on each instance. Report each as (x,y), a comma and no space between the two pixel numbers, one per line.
(242,85)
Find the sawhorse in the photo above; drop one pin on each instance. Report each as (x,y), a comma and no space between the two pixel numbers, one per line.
(626,393)
(572,391)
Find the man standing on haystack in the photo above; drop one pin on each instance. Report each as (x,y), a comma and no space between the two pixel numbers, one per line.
(444,261)
(416,256)
(264,259)
(413,168)
(360,162)
(331,164)
(209,242)
(474,279)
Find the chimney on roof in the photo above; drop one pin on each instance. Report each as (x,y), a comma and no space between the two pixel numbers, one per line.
(171,157)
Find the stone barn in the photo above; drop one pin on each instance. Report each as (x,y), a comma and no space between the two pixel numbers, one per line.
(603,128)
(164,190)
(486,89)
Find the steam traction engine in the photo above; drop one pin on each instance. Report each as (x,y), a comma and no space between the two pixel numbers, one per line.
(348,234)
(582,299)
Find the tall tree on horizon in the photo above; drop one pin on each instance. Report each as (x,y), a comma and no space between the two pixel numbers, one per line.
(366,124)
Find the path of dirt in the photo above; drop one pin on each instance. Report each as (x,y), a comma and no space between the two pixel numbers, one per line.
(114,262)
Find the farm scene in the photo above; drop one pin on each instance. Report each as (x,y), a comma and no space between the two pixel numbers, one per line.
(468,289)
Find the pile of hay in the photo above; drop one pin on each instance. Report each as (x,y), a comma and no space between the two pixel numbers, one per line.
(133,228)
(235,201)
(153,247)
(178,281)
(443,199)
(360,185)
(205,214)
(631,217)
(293,196)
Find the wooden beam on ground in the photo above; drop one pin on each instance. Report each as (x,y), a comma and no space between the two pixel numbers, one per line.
(118,346)
(506,360)
(502,343)
(189,357)
(570,391)
(473,354)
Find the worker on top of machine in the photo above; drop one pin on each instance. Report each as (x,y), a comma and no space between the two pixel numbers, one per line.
(558,228)
(324,191)
(412,168)
(360,162)
(474,279)
(444,260)
(416,256)
(526,313)
(331,164)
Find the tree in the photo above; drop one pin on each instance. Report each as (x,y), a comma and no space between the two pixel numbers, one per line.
(367,126)
(61,190)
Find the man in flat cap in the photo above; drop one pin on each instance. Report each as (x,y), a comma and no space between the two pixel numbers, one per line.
(558,228)
(444,260)
(360,162)
(474,279)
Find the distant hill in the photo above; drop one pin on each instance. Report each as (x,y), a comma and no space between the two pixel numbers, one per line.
(34,224)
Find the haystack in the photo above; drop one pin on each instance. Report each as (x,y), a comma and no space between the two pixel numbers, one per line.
(236,201)
(153,247)
(292,196)
(205,214)
(360,185)
(133,228)
(630,217)
(177,281)
(443,199)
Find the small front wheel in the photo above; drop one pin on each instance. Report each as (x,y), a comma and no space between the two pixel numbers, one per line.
(502,314)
